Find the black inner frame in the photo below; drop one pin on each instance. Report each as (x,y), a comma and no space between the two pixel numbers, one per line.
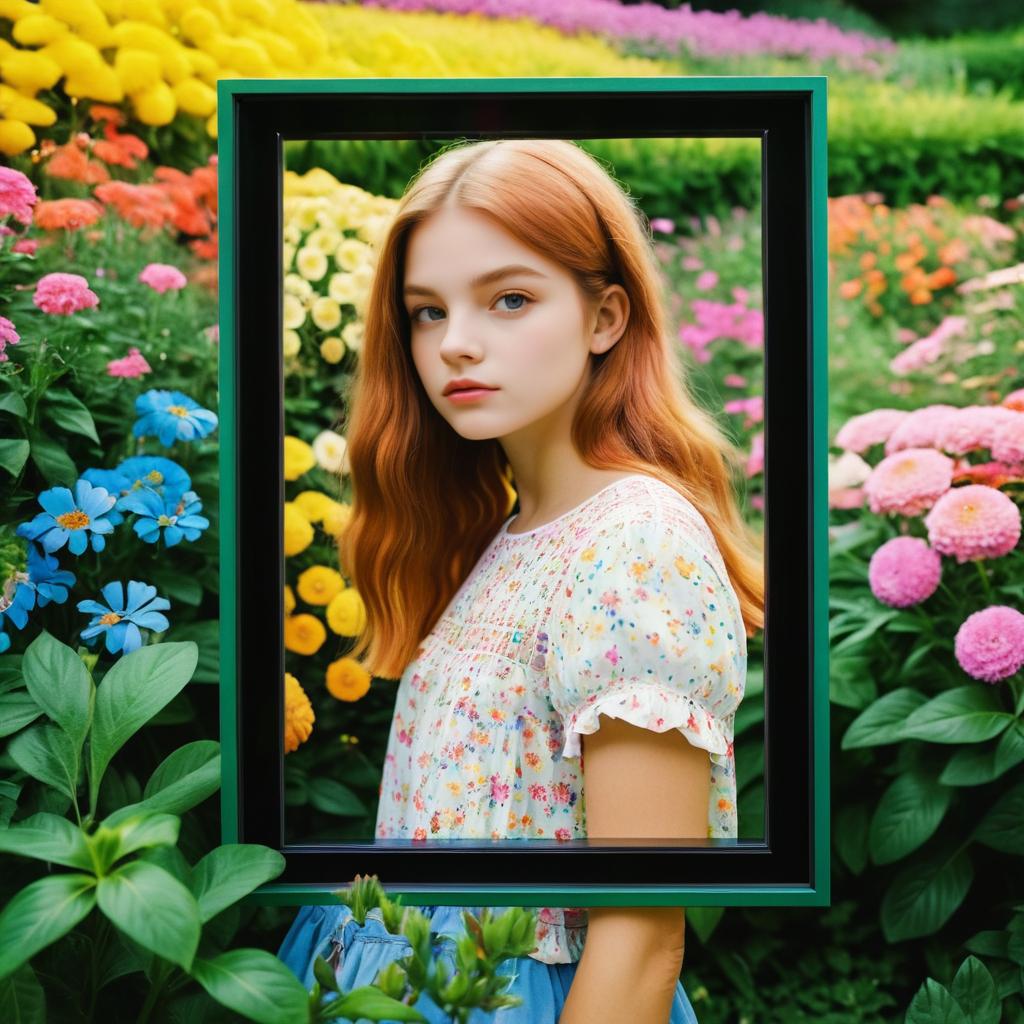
(782,122)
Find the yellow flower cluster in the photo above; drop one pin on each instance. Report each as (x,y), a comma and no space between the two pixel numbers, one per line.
(298,714)
(331,231)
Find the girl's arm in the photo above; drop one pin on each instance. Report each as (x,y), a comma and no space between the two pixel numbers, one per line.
(637,784)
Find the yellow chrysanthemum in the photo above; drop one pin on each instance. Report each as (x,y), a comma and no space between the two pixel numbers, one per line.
(332,349)
(289,600)
(343,288)
(298,714)
(155,105)
(336,518)
(326,313)
(298,457)
(15,137)
(314,505)
(287,255)
(297,286)
(324,239)
(351,253)
(346,614)
(319,584)
(347,679)
(294,312)
(298,532)
(30,71)
(195,97)
(352,334)
(311,263)
(291,343)
(137,69)
(304,633)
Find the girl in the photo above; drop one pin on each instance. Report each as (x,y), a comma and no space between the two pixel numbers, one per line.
(515,330)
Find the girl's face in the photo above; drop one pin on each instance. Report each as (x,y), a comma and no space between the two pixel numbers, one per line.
(483,305)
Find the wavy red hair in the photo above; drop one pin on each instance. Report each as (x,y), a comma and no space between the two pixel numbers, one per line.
(427,502)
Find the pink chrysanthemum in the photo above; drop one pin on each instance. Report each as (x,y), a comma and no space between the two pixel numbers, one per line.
(908,482)
(132,365)
(162,277)
(918,428)
(1008,440)
(971,428)
(8,336)
(26,245)
(64,294)
(755,460)
(708,279)
(663,224)
(989,644)
(904,571)
(1014,400)
(17,195)
(870,428)
(974,521)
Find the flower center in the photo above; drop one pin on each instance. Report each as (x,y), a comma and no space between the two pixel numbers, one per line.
(73,520)
(154,476)
(166,520)
(177,410)
(110,619)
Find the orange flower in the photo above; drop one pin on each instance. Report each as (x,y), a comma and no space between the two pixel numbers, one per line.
(304,634)
(941,278)
(71,162)
(69,214)
(920,297)
(904,261)
(140,205)
(851,289)
(954,251)
(868,260)
(103,112)
(122,150)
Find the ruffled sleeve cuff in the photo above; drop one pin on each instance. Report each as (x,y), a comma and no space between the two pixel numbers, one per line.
(649,706)
(561,935)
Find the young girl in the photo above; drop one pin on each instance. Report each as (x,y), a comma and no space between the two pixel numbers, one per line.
(515,331)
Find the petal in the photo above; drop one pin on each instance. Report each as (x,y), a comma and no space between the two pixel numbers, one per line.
(98,542)
(57,500)
(168,431)
(132,638)
(115,637)
(79,541)
(138,594)
(101,526)
(90,631)
(113,594)
(151,620)
(54,539)
(93,607)
(172,535)
(157,602)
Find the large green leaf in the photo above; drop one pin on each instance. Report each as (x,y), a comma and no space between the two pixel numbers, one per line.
(153,908)
(923,896)
(139,832)
(975,765)
(21,998)
(11,402)
(131,693)
(48,754)
(227,873)
(334,797)
(910,811)
(206,634)
(370,1002)
(13,455)
(850,835)
(255,984)
(50,458)
(69,413)
(17,710)
(40,914)
(60,684)
(48,837)
(883,721)
(934,1005)
(968,714)
(1002,828)
(975,992)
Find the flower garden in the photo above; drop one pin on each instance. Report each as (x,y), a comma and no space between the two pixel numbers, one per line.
(119,900)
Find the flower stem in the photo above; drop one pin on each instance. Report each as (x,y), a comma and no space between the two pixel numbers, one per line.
(985,581)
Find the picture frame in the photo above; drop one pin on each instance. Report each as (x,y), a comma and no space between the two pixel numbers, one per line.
(790,866)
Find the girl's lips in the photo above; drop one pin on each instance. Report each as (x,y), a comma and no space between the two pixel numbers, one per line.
(470,394)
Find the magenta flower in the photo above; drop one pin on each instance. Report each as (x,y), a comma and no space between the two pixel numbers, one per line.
(64,294)
(708,279)
(17,195)
(132,365)
(909,482)
(663,224)
(904,571)
(755,461)
(162,277)
(734,380)
(974,521)
(8,336)
(26,245)
(989,644)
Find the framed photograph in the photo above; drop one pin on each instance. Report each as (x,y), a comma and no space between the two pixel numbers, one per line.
(426,615)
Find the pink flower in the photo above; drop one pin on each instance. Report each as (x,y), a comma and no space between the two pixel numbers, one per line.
(908,482)
(8,336)
(989,645)
(212,333)
(692,263)
(870,428)
(663,224)
(26,245)
(752,408)
(972,427)
(904,571)
(740,294)
(64,294)
(162,277)
(17,195)
(707,280)
(1008,441)
(132,365)
(734,380)
(755,461)
(918,428)
(974,521)
(905,336)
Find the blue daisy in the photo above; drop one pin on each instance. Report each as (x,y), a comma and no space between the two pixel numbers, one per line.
(172,416)
(42,583)
(122,620)
(177,516)
(164,476)
(74,519)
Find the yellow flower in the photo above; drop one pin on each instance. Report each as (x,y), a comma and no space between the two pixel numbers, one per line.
(342,288)
(298,533)
(332,349)
(294,312)
(15,137)
(30,71)
(298,714)
(326,313)
(292,343)
(289,600)
(195,97)
(352,334)
(336,518)
(324,239)
(304,634)
(347,679)
(37,30)
(314,504)
(287,255)
(298,286)
(311,263)
(298,457)
(330,450)
(155,105)
(351,253)
(137,69)
(346,614)
(319,584)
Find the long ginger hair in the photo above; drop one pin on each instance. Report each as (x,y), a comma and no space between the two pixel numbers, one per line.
(427,502)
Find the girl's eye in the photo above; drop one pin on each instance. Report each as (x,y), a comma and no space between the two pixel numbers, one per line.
(416,314)
(516,305)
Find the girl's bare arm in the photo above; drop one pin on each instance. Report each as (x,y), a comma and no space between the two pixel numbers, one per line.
(637,784)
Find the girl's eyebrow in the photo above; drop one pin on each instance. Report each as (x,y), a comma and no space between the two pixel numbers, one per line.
(488,278)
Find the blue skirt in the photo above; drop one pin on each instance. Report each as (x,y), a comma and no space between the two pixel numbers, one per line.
(361,952)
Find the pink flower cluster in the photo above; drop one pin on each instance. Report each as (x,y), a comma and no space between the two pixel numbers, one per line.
(162,277)
(17,195)
(928,349)
(132,365)
(8,336)
(64,294)
(752,408)
(989,645)
(721,320)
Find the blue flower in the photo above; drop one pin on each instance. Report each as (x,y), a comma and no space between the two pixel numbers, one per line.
(172,416)
(42,583)
(156,473)
(177,516)
(73,519)
(5,641)
(121,620)
(16,601)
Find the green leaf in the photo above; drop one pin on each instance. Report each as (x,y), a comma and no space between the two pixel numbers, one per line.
(13,455)
(11,402)
(975,992)
(257,985)
(883,721)
(47,837)
(40,914)
(923,897)
(48,754)
(910,811)
(50,458)
(143,830)
(21,998)
(968,714)
(153,908)
(227,873)
(976,765)
(370,1002)
(934,1005)
(60,684)
(851,684)
(131,693)
(179,586)
(16,711)
(333,797)
(206,635)
(851,836)
(69,413)
(1002,828)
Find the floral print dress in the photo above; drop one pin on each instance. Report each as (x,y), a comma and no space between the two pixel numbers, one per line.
(622,607)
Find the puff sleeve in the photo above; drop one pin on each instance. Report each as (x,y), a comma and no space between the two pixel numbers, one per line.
(649,630)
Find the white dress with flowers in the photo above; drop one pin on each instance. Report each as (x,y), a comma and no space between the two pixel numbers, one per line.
(621,607)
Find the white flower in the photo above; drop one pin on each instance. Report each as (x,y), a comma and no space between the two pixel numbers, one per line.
(331,451)
(849,470)
(352,335)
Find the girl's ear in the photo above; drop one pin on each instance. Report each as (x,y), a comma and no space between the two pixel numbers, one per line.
(610,316)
